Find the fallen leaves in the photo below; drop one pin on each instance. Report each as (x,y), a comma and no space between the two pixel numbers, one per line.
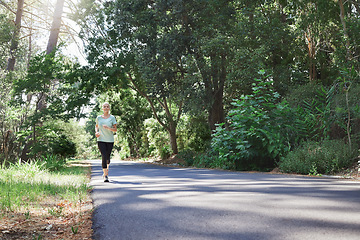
(73,222)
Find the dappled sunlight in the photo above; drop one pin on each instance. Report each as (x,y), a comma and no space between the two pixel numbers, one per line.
(212,204)
(17,176)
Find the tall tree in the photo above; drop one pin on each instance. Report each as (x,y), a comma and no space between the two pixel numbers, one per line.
(16,35)
(208,33)
(41,101)
(55,27)
(6,30)
(138,49)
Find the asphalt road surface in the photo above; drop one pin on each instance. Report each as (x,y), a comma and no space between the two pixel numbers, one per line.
(149,202)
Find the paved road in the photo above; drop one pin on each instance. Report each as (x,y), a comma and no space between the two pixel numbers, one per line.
(148,202)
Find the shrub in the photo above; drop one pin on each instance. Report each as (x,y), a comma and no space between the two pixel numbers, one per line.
(188,156)
(165,152)
(327,157)
(157,137)
(260,130)
(198,134)
(63,146)
(210,159)
(53,163)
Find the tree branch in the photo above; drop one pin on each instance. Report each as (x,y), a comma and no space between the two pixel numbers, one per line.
(7,7)
(149,100)
(179,111)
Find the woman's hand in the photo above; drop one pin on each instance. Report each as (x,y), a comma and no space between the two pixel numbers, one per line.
(97,134)
(113,129)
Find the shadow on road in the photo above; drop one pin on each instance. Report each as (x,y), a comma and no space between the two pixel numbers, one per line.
(150,202)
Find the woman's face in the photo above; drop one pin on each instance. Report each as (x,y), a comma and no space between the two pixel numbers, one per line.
(106,107)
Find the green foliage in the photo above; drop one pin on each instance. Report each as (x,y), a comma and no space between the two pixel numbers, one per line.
(260,130)
(49,83)
(157,137)
(186,51)
(317,118)
(263,41)
(23,184)
(211,159)
(188,156)
(49,138)
(165,152)
(10,119)
(63,146)
(75,135)
(53,163)
(6,29)
(326,157)
(299,94)
(74,229)
(196,134)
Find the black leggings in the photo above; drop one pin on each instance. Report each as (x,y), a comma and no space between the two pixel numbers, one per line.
(105,150)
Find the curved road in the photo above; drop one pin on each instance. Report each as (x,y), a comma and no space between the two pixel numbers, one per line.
(149,202)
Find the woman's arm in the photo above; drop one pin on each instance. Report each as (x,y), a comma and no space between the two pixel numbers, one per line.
(113,129)
(97,134)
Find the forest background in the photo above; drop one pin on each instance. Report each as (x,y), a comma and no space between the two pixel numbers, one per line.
(241,85)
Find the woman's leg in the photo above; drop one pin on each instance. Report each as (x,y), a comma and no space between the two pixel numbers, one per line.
(109,147)
(103,151)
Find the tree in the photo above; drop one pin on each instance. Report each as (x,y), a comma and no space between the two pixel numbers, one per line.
(6,29)
(208,33)
(37,83)
(55,27)
(137,59)
(264,40)
(16,36)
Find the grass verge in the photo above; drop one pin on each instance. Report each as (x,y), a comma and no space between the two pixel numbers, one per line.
(38,204)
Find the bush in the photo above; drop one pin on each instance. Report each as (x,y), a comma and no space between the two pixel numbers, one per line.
(197,133)
(63,146)
(165,152)
(304,93)
(188,156)
(210,160)
(53,163)
(327,157)
(157,138)
(260,131)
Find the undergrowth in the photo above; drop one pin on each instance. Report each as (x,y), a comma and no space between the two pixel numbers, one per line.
(313,158)
(23,185)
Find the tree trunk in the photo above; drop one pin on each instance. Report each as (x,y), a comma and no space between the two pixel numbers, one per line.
(55,27)
(171,128)
(16,35)
(216,111)
(346,36)
(311,54)
(213,78)
(172,134)
(214,88)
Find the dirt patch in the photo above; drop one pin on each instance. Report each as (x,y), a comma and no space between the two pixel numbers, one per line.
(172,161)
(60,221)
(51,218)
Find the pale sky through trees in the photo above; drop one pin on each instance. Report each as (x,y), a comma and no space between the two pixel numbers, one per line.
(36,23)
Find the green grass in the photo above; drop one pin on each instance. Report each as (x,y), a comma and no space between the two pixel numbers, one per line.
(24,186)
